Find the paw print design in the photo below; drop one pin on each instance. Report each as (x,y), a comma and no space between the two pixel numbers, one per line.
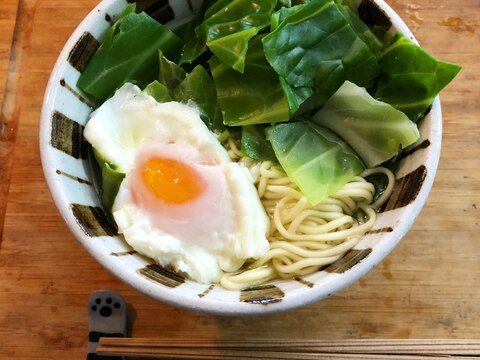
(107,316)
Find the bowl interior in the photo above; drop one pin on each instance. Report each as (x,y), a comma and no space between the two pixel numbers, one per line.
(70,178)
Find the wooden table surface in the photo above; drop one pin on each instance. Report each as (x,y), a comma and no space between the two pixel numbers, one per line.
(428,287)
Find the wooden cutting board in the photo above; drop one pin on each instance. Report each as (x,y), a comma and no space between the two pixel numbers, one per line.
(428,287)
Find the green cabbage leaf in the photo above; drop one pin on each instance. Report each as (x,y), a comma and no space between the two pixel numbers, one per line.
(255,145)
(129,52)
(111,179)
(231,25)
(196,87)
(336,49)
(374,129)
(410,77)
(158,91)
(169,73)
(254,97)
(314,158)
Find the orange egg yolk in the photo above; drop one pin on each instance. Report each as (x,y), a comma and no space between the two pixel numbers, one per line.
(171,180)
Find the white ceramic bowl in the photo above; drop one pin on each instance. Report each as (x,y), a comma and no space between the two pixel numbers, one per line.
(68,173)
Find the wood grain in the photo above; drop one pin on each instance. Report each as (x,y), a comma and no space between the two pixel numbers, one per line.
(10,58)
(7,25)
(426,288)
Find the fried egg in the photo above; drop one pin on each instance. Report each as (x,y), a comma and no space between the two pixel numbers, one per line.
(183,202)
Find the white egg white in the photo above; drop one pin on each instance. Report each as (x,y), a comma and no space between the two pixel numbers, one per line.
(131,121)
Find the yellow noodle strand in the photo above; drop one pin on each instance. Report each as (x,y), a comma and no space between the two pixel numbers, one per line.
(303,237)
